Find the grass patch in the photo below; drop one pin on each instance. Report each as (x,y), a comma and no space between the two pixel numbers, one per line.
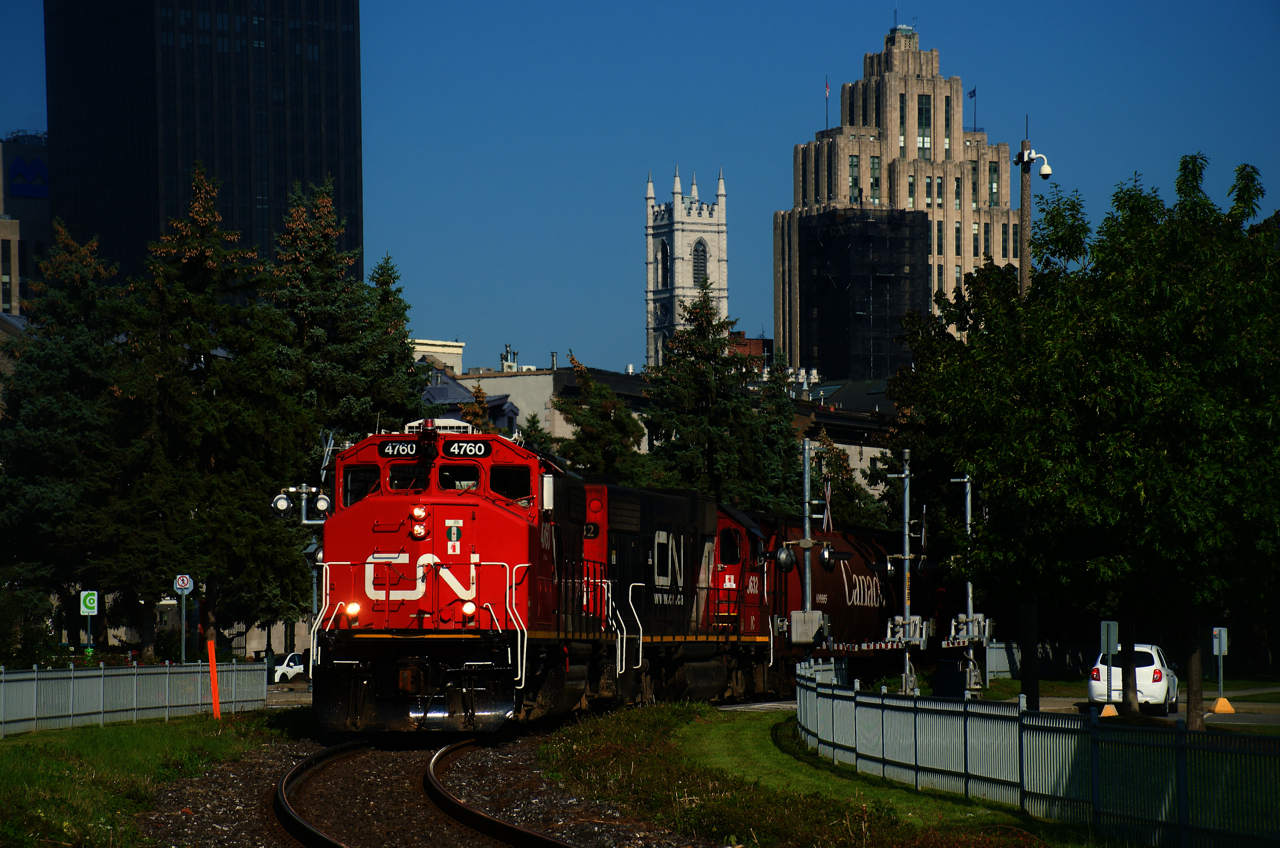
(1261,697)
(1007,688)
(721,776)
(83,786)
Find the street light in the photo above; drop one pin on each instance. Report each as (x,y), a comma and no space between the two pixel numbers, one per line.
(1026,158)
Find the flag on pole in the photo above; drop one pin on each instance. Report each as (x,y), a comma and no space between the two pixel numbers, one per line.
(828,89)
(974,93)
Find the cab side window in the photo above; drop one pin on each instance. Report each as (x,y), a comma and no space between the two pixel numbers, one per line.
(459,477)
(730,546)
(510,481)
(358,482)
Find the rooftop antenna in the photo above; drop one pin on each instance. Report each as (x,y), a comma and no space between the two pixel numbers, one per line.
(895,14)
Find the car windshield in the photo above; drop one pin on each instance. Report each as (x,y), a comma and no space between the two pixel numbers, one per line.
(1142,659)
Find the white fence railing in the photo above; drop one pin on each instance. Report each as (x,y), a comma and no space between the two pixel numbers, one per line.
(42,699)
(1145,785)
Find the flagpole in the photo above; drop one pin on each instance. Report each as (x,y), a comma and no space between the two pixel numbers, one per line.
(827,102)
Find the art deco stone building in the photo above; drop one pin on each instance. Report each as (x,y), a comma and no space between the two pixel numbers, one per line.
(901,147)
(684,241)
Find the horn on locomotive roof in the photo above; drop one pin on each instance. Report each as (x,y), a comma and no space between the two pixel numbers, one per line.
(428,446)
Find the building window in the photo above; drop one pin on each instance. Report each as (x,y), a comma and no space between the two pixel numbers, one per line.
(1016,243)
(939,239)
(993,177)
(928,192)
(699,262)
(975,240)
(958,239)
(938,183)
(957,286)
(864,104)
(940,281)
(924,126)
(986,239)
(1004,241)
(957,192)
(902,124)
(875,180)
(973,179)
(831,172)
(911,191)
(804,178)
(930,241)
(946,127)
(855,188)
(664,265)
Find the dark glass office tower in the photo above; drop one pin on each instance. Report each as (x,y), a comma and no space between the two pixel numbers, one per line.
(263,92)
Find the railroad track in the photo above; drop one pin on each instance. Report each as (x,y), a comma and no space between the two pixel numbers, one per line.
(479,827)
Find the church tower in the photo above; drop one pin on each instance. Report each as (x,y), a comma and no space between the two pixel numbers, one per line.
(685,240)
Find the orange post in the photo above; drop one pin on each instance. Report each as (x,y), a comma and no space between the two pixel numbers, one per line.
(213,681)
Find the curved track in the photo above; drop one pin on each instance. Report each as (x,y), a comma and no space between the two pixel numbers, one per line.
(500,832)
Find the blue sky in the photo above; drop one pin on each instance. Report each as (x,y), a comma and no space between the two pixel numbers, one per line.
(506,144)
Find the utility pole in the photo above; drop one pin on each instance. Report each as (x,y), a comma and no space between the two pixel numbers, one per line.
(906,563)
(808,557)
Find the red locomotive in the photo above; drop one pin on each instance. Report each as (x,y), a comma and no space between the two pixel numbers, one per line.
(469,582)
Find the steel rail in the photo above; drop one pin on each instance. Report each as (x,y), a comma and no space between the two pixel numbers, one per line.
(510,834)
(292,821)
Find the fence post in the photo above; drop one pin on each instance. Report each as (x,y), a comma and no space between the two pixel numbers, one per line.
(199,688)
(135,691)
(102,694)
(235,676)
(1095,772)
(915,735)
(964,723)
(35,696)
(1,702)
(167,696)
(72,666)
(857,686)
(1184,807)
(1022,780)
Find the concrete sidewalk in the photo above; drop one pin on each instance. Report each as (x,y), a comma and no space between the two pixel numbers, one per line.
(281,695)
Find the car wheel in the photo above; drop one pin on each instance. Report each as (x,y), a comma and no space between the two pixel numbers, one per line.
(1161,709)
(1173,708)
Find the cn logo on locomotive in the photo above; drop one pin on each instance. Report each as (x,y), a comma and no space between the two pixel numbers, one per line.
(379,564)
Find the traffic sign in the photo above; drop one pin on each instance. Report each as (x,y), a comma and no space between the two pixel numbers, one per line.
(182,584)
(1219,641)
(88,603)
(1110,637)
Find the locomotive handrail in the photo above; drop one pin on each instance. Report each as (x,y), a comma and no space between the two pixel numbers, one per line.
(492,615)
(522,632)
(315,625)
(639,625)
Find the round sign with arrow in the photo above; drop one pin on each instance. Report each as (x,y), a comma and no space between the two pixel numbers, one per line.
(182,584)
(88,603)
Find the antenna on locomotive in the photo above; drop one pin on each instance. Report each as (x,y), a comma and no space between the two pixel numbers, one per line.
(328,452)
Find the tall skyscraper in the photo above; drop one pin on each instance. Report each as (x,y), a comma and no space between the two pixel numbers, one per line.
(263,92)
(25,228)
(684,240)
(901,148)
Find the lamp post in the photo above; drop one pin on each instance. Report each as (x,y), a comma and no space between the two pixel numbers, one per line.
(1026,158)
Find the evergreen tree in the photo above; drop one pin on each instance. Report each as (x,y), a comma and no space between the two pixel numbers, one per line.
(607,437)
(780,481)
(211,394)
(705,434)
(397,383)
(536,436)
(57,432)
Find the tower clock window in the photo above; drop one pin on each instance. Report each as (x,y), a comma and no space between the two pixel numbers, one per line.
(664,265)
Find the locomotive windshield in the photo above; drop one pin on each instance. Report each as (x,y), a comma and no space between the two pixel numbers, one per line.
(358,481)
(409,475)
(510,481)
(459,477)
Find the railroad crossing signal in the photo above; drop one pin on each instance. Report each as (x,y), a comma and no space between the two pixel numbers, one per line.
(182,584)
(88,603)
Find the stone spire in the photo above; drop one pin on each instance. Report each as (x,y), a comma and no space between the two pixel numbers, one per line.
(648,191)
(676,190)
(693,188)
(720,186)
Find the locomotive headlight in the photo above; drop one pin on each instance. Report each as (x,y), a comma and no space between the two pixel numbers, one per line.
(469,608)
(419,531)
(419,513)
(323,503)
(353,609)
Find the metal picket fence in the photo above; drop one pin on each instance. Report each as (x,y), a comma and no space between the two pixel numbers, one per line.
(1143,785)
(43,699)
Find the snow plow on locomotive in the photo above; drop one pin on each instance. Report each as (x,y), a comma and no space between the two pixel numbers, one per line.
(468,582)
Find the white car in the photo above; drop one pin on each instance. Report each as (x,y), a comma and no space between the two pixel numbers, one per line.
(1157,684)
(292,667)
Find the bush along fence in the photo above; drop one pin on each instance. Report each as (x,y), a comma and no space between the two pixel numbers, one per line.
(43,699)
(1149,786)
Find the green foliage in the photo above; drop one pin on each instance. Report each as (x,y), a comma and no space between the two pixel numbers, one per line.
(536,437)
(705,432)
(1120,421)
(349,339)
(607,437)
